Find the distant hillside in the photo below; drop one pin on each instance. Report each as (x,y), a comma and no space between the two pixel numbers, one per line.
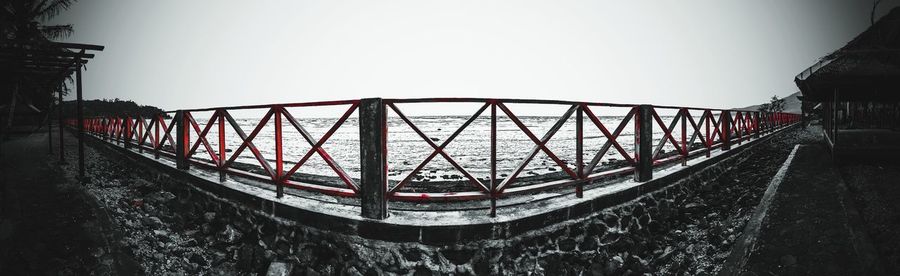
(791,104)
(94,108)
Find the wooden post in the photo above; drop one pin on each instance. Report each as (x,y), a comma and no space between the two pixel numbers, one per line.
(579,151)
(834,125)
(181,142)
(80,117)
(756,125)
(725,124)
(12,106)
(373,158)
(62,146)
(643,143)
(49,125)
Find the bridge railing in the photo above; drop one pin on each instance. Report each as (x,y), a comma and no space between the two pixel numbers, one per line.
(687,132)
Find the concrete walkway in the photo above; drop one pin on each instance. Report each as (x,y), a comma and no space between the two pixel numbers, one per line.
(48,225)
(811,227)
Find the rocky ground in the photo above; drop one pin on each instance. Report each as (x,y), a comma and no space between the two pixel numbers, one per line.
(152,225)
(715,215)
(684,230)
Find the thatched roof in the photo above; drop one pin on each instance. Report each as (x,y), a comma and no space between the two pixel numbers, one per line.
(867,68)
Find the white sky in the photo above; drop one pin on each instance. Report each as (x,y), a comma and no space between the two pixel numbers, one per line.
(713,53)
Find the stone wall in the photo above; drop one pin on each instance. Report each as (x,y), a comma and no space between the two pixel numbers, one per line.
(626,239)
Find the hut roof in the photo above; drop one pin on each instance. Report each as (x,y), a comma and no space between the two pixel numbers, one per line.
(867,68)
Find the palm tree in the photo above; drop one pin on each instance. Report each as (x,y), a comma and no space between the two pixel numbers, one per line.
(21,20)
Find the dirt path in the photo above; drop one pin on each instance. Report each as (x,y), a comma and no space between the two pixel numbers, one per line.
(48,225)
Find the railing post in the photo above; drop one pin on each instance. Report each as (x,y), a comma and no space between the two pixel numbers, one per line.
(373,158)
(684,146)
(156,140)
(494,180)
(140,133)
(726,129)
(128,132)
(221,164)
(279,161)
(709,140)
(756,125)
(181,142)
(579,150)
(643,143)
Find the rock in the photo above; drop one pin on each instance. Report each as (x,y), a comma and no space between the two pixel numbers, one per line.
(597,229)
(230,235)
(206,229)
(666,254)
(637,264)
(788,260)
(644,219)
(693,206)
(610,238)
(638,210)
(589,244)
(482,266)
(634,226)
(422,271)
(218,257)
(189,243)
(152,222)
(567,244)
(596,269)
(245,259)
(163,235)
(209,216)
(655,227)
(137,202)
(614,265)
(352,271)
(198,259)
(279,269)
(458,257)
(411,254)
(311,272)
(163,196)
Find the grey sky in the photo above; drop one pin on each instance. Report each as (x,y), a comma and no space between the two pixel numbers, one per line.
(186,54)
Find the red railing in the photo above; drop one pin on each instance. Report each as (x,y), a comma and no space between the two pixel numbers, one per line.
(701,131)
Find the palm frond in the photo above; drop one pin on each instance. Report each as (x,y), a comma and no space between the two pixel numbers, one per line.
(57,31)
(50,8)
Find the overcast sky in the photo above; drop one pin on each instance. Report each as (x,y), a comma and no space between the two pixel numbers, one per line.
(187,54)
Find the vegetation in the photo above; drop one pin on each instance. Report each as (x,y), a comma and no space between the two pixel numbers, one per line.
(22,20)
(774,105)
(114,107)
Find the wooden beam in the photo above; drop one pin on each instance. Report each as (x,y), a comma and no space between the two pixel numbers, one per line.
(25,53)
(79,46)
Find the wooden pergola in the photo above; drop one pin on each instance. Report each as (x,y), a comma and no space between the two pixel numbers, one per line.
(44,66)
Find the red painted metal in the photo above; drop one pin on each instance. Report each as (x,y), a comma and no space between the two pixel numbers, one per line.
(708,128)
